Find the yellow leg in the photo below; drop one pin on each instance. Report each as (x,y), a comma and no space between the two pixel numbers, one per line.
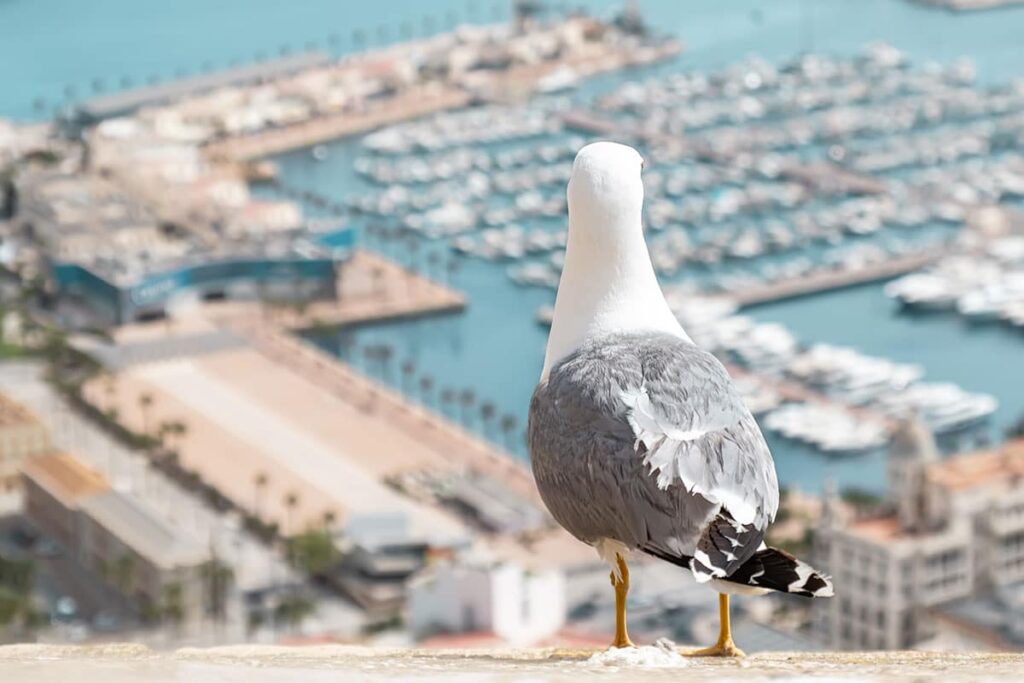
(724,647)
(621,589)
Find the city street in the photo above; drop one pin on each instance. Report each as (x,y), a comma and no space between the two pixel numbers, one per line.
(255,566)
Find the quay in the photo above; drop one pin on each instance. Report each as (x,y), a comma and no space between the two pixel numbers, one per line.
(513,82)
(370,289)
(414,103)
(828,281)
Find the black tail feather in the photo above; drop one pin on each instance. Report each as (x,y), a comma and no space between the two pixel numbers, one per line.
(779,571)
(768,568)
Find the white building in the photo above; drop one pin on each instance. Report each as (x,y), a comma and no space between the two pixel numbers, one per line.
(955,529)
(517,605)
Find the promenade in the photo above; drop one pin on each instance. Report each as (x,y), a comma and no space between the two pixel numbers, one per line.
(293,434)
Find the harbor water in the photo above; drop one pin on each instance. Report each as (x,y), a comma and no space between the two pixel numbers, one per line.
(52,52)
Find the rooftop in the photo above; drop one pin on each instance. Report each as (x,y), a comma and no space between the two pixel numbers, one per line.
(65,478)
(142,531)
(878,528)
(13,413)
(984,468)
(126,663)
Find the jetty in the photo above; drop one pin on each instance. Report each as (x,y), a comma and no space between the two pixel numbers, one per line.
(816,283)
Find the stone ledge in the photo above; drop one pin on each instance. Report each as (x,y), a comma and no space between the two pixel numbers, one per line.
(127,663)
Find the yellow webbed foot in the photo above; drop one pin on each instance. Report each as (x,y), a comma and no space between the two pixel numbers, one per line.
(722,649)
(622,642)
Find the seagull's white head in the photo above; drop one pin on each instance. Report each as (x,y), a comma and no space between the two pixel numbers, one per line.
(608,284)
(606,192)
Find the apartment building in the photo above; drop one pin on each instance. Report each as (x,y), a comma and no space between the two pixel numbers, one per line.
(954,529)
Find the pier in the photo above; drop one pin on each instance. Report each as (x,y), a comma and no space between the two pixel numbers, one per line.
(510,83)
(419,101)
(371,289)
(824,282)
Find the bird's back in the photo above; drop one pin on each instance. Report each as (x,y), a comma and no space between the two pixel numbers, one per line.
(591,437)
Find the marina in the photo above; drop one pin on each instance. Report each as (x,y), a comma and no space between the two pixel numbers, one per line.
(787,219)
(277,289)
(833,172)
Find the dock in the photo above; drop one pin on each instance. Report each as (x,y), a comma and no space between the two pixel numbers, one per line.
(371,289)
(411,104)
(824,282)
(502,85)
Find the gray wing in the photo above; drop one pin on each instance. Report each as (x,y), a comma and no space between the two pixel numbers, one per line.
(643,439)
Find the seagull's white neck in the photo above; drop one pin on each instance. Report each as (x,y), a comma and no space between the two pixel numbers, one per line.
(607,285)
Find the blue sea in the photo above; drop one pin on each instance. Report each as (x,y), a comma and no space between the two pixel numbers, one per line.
(53,52)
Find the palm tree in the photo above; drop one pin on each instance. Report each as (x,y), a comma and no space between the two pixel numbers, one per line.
(426,387)
(387,352)
(408,369)
(122,573)
(260,482)
(145,403)
(467,397)
(291,502)
(218,577)
(173,603)
(487,412)
(508,427)
(346,344)
(447,398)
(330,517)
(179,429)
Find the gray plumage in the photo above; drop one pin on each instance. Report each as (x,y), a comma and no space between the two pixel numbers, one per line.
(642,439)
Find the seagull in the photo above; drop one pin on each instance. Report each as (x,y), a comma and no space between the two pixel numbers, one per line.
(639,442)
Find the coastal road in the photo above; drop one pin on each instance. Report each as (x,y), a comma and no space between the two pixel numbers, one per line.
(255,565)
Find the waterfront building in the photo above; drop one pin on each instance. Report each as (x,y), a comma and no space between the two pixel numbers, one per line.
(22,436)
(110,253)
(115,536)
(479,595)
(954,531)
